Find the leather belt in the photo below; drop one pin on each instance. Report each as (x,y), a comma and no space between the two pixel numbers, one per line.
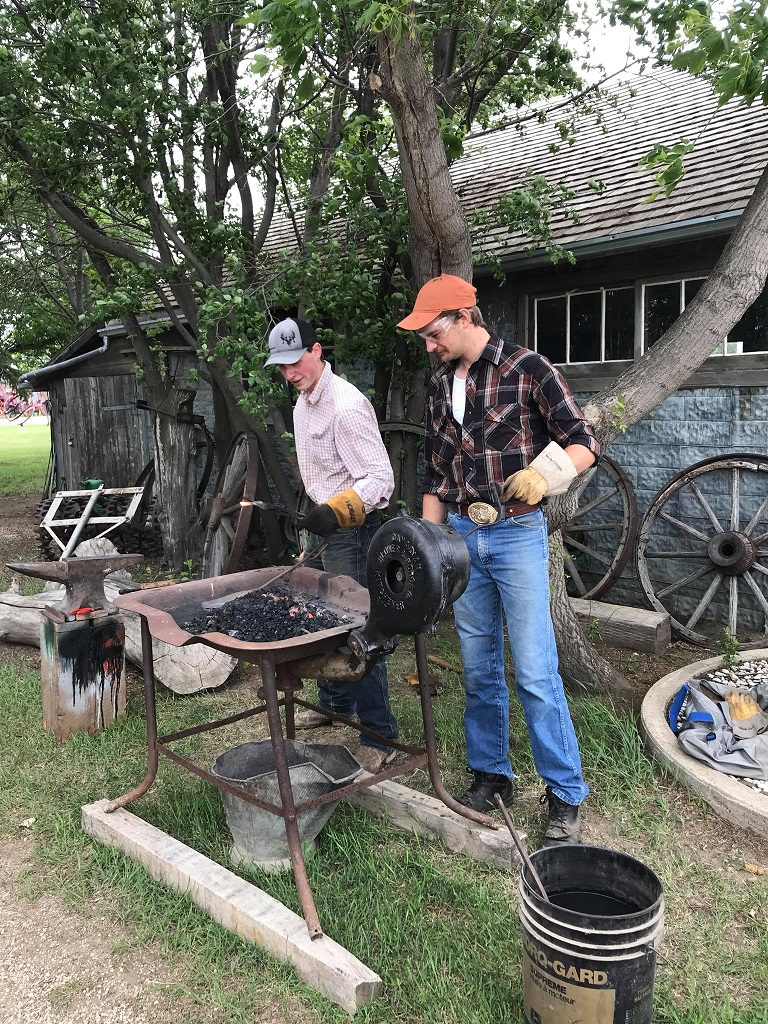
(514,508)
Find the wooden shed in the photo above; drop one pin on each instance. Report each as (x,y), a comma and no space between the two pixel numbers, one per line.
(98,426)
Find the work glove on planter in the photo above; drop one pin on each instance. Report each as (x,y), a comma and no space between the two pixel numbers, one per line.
(550,473)
(345,510)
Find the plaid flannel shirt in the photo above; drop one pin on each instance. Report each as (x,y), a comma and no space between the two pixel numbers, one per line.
(338,444)
(517,402)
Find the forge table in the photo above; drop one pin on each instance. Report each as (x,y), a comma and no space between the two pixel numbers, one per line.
(283,664)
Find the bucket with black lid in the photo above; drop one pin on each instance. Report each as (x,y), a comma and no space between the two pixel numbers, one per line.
(589,954)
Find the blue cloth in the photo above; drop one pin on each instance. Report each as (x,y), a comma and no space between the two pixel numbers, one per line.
(510,571)
(346,555)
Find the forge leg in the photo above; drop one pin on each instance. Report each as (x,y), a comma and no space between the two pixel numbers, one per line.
(288,684)
(286,798)
(441,792)
(150,714)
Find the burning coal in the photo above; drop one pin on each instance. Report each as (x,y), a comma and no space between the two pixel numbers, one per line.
(266,617)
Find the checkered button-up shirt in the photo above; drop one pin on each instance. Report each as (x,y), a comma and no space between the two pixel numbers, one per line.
(338,443)
(517,402)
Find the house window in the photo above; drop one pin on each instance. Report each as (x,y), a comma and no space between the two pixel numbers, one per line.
(586,327)
(598,325)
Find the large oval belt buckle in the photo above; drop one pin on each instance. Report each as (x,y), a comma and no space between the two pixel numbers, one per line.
(482,514)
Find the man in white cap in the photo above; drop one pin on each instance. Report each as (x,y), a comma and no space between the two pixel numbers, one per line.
(346,471)
(501,419)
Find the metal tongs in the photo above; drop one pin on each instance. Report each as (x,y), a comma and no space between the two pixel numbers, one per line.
(279,510)
(299,561)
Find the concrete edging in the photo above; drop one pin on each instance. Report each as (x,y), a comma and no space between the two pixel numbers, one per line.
(728,797)
(238,905)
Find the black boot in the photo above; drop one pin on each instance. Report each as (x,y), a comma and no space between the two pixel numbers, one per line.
(480,794)
(564,824)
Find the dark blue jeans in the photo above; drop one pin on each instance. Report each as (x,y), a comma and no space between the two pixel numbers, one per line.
(346,555)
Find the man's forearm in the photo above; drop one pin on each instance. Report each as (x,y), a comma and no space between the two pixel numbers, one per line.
(432,508)
(581,457)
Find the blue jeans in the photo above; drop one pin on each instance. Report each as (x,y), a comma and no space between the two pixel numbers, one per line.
(510,573)
(346,555)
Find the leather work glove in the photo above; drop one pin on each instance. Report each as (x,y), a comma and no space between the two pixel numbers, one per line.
(550,473)
(345,510)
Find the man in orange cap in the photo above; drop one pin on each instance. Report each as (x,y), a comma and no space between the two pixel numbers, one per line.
(502,424)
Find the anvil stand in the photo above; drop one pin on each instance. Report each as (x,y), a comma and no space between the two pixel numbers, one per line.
(82,645)
(276,676)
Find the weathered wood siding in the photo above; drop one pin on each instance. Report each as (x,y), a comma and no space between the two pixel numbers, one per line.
(98,432)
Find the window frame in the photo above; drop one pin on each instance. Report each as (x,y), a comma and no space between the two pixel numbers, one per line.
(612,367)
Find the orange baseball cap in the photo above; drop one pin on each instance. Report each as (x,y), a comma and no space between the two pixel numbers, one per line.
(437,295)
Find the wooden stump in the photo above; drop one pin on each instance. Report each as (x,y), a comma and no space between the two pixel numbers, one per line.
(82,666)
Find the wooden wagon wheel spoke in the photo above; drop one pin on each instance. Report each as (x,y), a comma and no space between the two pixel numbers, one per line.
(604,559)
(573,574)
(704,603)
(734,499)
(674,553)
(690,578)
(598,538)
(683,526)
(600,500)
(706,506)
(733,604)
(723,492)
(761,598)
(756,519)
(226,521)
(592,527)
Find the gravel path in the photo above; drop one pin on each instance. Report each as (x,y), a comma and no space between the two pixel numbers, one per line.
(59,966)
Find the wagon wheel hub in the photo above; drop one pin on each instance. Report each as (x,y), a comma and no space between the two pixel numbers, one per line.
(732,552)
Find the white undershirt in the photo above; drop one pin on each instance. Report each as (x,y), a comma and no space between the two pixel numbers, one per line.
(459,397)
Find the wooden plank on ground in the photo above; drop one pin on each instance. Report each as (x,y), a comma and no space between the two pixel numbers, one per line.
(240,907)
(429,817)
(618,625)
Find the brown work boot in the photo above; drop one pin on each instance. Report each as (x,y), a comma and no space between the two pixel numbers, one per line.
(307,719)
(372,759)
(564,822)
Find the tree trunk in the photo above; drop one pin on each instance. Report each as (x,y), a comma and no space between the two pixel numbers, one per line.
(439,239)
(580,664)
(176,476)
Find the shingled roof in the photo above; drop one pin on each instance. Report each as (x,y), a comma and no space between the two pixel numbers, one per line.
(660,106)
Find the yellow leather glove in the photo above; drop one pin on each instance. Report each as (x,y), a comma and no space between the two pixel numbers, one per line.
(348,507)
(526,485)
(551,472)
(345,510)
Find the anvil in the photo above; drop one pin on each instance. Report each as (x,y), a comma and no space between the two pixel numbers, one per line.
(82,577)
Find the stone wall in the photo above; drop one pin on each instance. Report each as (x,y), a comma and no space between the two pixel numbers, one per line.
(692,425)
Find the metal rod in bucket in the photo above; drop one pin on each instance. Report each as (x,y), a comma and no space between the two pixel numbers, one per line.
(520,847)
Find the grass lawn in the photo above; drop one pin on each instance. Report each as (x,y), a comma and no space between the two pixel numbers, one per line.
(24,453)
(441,930)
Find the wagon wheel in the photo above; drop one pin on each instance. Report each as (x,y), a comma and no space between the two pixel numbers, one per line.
(226,522)
(702,553)
(599,537)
